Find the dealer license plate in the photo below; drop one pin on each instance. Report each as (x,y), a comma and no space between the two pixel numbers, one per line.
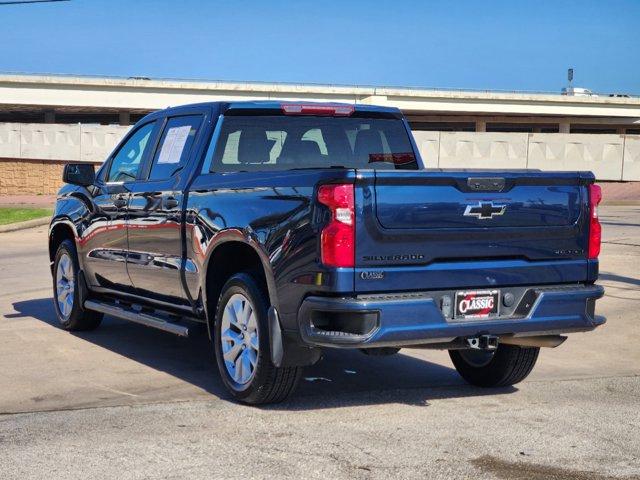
(477,303)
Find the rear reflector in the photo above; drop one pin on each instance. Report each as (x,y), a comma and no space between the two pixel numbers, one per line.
(337,240)
(595,229)
(327,110)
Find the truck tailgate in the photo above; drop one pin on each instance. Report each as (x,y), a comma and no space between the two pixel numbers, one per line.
(426,229)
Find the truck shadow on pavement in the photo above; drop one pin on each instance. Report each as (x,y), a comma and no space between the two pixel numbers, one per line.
(619,278)
(341,378)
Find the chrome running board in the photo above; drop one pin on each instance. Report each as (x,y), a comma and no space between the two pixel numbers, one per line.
(131,315)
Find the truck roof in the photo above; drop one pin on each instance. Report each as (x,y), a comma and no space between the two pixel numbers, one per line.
(223,106)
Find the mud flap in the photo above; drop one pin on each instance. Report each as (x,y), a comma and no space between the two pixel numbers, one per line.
(275,337)
(83,289)
(285,352)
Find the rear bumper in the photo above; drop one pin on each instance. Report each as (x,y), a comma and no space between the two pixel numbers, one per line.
(415,318)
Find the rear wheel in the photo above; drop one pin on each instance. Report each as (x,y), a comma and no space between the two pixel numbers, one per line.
(66,298)
(507,365)
(242,345)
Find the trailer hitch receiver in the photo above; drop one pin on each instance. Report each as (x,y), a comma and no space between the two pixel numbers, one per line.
(483,342)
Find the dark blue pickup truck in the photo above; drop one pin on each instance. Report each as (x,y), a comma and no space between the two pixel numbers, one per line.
(287,228)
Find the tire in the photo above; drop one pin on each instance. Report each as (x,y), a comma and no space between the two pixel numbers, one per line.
(508,365)
(66,291)
(248,372)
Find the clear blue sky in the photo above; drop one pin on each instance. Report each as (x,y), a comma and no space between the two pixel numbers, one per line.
(513,45)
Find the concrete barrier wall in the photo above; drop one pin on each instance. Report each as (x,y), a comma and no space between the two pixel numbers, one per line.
(428,144)
(610,157)
(601,154)
(488,150)
(631,162)
(97,141)
(50,142)
(9,140)
(32,155)
(70,143)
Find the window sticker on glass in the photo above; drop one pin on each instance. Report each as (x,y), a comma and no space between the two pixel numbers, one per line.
(173,144)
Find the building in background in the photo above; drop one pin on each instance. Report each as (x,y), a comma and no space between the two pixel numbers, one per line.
(46,121)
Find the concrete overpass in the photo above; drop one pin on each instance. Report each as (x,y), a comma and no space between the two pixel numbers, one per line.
(108,100)
(47,121)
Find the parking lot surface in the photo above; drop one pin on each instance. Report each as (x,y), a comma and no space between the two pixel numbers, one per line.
(130,402)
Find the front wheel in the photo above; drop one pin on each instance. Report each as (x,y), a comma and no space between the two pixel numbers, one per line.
(507,365)
(242,345)
(66,298)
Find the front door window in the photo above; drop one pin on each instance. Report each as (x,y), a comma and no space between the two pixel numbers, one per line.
(126,162)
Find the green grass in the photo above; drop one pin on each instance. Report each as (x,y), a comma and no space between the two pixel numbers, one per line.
(21,214)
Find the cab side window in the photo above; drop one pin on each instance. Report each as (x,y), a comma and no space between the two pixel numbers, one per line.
(175,145)
(126,162)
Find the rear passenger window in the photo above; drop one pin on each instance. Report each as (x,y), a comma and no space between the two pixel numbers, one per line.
(175,146)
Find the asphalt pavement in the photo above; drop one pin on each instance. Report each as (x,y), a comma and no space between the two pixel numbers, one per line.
(130,402)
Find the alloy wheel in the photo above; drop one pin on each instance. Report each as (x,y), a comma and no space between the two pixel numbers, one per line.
(64,286)
(239,339)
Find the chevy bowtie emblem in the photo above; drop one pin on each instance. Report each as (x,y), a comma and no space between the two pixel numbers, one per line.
(484,210)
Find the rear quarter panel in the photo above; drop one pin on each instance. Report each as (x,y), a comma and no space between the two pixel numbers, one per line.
(273,212)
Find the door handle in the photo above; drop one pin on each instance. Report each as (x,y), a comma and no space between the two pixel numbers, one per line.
(120,201)
(170,202)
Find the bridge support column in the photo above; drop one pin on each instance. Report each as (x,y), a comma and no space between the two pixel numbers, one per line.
(124,118)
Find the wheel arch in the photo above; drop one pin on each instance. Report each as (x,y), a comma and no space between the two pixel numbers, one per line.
(59,231)
(72,206)
(232,255)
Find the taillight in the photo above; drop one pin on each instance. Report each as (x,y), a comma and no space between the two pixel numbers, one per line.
(337,240)
(595,229)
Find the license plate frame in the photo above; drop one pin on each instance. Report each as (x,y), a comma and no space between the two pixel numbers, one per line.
(486,304)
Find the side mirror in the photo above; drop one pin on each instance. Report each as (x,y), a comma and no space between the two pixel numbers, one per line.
(82,174)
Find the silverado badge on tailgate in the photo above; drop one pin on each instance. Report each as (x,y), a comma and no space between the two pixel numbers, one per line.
(477,303)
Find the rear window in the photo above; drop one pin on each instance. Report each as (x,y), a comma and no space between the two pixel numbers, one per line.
(281,142)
